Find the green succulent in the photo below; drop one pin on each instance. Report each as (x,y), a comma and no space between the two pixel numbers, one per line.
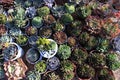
(79,55)
(67,66)
(3,19)
(69,8)
(43,11)
(37,21)
(83,11)
(96,60)
(53,76)
(66,18)
(58,26)
(112,61)
(20,23)
(41,66)
(21,39)
(104,74)
(85,71)
(64,51)
(68,76)
(104,45)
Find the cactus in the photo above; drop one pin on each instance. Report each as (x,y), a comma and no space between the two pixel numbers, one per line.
(64,51)
(21,39)
(43,11)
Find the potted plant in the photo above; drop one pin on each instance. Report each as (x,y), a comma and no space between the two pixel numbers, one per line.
(2,72)
(3,29)
(33,56)
(104,45)
(43,11)
(49,3)
(31,30)
(115,43)
(22,40)
(112,61)
(64,51)
(45,32)
(37,22)
(69,8)
(72,41)
(51,76)
(93,24)
(83,11)
(7,3)
(33,75)
(15,69)
(68,76)
(85,72)
(66,19)
(15,31)
(12,51)
(47,47)
(3,19)
(41,67)
(6,38)
(27,3)
(32,40)
(30,12)
(58,27)
(79,55)
(96,60)
(60,37)
(49,19)
(75,28)
(105,74)
(53,63)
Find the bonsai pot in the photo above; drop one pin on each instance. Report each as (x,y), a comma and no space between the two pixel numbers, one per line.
(53,63)
(50,53)
(12,51)
(33,56)
(45,32)
(60,37)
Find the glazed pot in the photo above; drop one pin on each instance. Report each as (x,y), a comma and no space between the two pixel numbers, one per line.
(49,53)
(53,63)
(13,52)
(33,56)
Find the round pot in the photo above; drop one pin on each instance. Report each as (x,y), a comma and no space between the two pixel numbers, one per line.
(31,30)
(49,53)
(45,32)
(19,52)
(33,56)
(37,22)
(53,63)
(60,37)
(32,41)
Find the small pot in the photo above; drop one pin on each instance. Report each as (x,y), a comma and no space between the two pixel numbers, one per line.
(19,52)
(53,63)
(3,29)
(33,56)
(49,53)
(21,39)
(30,12)
(45,32)
(31,30)
(60,37)
(37,22)
(32,41)
(15,31)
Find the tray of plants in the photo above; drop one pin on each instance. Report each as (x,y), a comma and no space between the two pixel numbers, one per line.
(59,39)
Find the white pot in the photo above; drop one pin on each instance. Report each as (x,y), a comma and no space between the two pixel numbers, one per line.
(49,53)
(19,53)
